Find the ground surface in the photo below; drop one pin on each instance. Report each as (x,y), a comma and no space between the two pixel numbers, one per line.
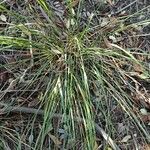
(25,100)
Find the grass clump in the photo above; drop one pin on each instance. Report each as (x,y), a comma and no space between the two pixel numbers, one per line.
(67,70)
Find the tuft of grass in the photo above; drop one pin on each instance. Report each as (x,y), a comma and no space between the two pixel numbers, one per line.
(75,73)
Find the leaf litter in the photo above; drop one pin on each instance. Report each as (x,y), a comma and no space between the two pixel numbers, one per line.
(140,91)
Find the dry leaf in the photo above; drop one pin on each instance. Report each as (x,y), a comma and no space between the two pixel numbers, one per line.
(33,103)
(3,18)
(31,138)
(121,128)
(105,22)
(137,68)
(113,38)
(126,138)
(143,111)
(145,118)
(55,140)
(107,43)
(146,147)
(74,3)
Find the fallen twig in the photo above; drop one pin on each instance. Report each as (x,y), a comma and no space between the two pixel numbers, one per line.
(41,112)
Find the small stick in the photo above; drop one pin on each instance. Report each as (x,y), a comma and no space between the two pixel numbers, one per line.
(78,119)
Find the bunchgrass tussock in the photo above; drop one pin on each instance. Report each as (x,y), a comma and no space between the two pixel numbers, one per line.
(71,70)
